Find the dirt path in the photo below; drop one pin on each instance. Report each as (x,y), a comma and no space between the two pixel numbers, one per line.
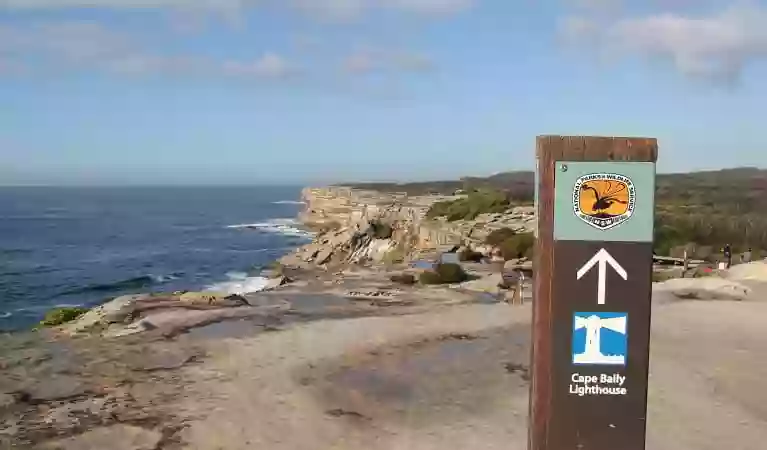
(456,379)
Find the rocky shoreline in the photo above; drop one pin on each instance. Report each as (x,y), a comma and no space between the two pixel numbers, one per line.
(363,238)
(153,371)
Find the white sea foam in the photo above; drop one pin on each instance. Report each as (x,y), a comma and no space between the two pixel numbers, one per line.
(239,283)
(164,278)
(287,227)
(288,202)
(5,315)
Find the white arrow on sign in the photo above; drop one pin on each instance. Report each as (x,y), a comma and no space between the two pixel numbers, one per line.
(603,258)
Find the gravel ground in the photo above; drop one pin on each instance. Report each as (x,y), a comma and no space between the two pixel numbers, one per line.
(456,379)
(443,375)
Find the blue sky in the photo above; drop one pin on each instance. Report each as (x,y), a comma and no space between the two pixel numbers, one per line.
(302,91)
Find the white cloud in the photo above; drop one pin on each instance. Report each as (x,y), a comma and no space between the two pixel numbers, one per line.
(91,46)
(715,47)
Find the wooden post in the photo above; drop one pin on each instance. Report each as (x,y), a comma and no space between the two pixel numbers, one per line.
(518,291)
(593,263)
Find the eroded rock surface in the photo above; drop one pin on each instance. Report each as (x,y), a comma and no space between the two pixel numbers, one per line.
(115,437)
(706,288)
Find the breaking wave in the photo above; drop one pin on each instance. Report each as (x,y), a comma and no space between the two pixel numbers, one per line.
(288,202)
(128,283)
(286,227)
(239,283)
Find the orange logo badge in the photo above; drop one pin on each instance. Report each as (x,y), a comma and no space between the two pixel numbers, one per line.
(604,200)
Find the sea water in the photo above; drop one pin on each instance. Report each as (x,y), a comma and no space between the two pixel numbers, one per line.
(82,246)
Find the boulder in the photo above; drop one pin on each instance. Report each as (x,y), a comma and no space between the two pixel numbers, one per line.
(707,288)
(55,387)
(294,259)
(486,250)
(489,284)
(516,264)
(324,256)
(379,248)
(754,271)
(118,310)
(6,400)
(176,320)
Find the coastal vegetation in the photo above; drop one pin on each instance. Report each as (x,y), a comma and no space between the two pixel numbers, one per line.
(473,204)
(511,244)
(699,210)
(60,316)
(444,273)
(381,230)
(469,255)
(518,246)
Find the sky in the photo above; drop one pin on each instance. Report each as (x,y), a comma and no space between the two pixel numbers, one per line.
(315,91)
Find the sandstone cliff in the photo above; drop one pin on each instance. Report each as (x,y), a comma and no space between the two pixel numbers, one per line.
(359,225)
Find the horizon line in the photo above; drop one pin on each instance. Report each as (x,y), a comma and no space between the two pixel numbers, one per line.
(343,183)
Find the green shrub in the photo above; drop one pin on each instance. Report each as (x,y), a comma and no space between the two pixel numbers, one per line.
(59,316)
(451,272)
(444,273)
(470,255)
(403,278)
(530,252)
(518,246)
(394,256)
(381,230)
(429,277)
(709,226)
(469,207)
(496,237)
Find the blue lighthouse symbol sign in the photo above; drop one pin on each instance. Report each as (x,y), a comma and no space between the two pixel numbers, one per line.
(599,338)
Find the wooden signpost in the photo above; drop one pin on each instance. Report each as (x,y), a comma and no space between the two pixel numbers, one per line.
(592,292)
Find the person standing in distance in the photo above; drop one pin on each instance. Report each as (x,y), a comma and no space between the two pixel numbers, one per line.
(728,255)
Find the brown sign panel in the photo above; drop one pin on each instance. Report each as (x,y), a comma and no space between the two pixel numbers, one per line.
(599,345)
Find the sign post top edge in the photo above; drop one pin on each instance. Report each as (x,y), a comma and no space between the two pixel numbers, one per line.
(596,148)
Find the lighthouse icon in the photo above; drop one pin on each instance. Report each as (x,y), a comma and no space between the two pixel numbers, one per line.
(599,338)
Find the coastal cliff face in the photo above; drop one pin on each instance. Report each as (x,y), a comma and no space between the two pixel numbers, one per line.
(345,206)
(346,218)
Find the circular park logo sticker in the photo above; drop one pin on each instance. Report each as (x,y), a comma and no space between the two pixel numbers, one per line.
(604,200)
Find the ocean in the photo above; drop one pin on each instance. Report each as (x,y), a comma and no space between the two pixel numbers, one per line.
(82,246)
